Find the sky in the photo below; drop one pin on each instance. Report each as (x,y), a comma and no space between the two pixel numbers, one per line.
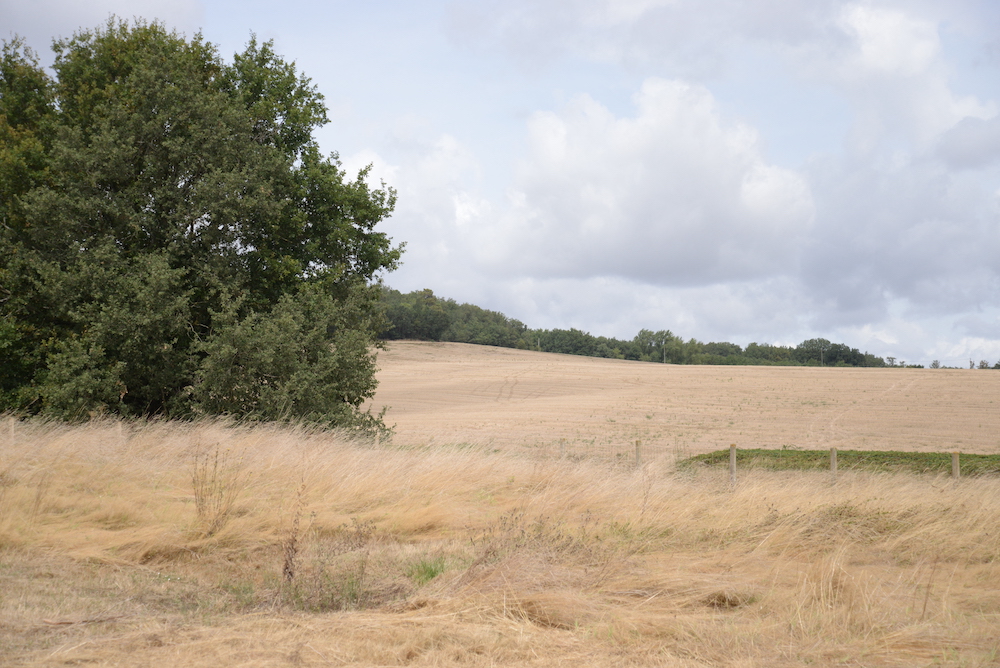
(766,170)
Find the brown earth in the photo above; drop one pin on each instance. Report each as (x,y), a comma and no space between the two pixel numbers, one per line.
(457,393)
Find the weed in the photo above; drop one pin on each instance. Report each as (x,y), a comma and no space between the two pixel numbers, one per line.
(426,569)
(217,478)
(339,577)
(290,546)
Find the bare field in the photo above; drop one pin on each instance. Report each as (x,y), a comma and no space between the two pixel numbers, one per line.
(455,393)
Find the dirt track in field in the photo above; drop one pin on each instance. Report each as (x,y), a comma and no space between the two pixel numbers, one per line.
(451,393)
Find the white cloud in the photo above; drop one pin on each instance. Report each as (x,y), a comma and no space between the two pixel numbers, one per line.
(620,307)
(439,213)
(673,195)
(893,69)
(890,42)
(602,13)
(974,349)
(379,170)
(636,31)
(671,218)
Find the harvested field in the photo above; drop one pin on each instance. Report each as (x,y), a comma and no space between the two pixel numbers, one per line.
(458,393)
(206,544)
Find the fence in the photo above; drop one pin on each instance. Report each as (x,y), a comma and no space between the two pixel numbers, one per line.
(637,453)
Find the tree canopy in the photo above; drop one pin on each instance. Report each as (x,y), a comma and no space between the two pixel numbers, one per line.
(422,315)
(172,241)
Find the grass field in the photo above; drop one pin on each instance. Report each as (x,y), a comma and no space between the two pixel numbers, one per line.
(207,544)
(878,461)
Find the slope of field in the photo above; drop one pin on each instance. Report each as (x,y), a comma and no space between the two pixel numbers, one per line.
(459,393)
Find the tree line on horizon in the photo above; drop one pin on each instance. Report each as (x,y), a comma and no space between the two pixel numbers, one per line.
(424,316)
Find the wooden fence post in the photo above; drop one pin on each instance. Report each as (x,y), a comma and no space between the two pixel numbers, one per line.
(732,464)
(833,463)
(956,470)
(638,454)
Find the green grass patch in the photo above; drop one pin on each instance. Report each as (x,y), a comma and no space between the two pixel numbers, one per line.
(788,459)
(425,570)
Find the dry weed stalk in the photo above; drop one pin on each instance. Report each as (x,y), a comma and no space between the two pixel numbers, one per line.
(290,546)
(218,479)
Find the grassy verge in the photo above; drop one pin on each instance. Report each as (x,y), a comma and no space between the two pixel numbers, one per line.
(878,461)
(202,544)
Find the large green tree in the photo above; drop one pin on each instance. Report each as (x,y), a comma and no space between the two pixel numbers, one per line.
(172,241)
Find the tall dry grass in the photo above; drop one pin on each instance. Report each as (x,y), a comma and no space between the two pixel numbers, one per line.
(214,544)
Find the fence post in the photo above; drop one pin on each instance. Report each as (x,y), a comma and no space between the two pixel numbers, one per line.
(638,454)
(956,470)
(833,463)
(732,464)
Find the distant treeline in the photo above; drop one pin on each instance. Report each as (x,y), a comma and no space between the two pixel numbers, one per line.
(424,316)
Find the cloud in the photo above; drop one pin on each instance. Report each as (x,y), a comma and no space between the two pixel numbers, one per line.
(619,307)
(439,212)
(904,229)
(670,217)
(674,195)
(680,38)
(892,68)
(889,42)
(538,34)
(886,56)
(41,21)
(971,143)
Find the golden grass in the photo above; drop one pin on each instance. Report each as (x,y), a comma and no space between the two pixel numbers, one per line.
(108,557)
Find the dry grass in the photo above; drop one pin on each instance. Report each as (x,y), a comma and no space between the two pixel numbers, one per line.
(207,544)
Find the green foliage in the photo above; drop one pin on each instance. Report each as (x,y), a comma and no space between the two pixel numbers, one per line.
(421,315)
(793,459)
(426,569)
(310,358)
(661,346)
(769,354)
(172,241)
(417,315)
(126,337)
(471,324)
